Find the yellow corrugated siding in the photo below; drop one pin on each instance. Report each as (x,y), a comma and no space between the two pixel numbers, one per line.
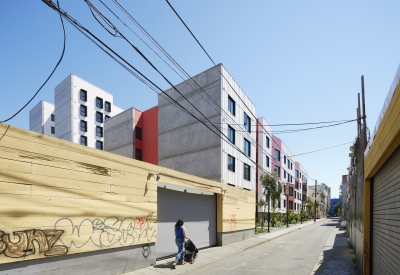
(47,183)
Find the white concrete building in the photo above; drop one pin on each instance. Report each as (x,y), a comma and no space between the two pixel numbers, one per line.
(42,119)
(80,109)
(187,145)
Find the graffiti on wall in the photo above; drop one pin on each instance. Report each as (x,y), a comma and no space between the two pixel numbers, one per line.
(232,222)
(105,233)
(45,239)
(111,231)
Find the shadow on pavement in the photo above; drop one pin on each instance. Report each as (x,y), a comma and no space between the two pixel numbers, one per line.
(338,259)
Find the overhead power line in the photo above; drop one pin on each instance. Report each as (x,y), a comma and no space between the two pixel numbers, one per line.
(322,149)
(51,74)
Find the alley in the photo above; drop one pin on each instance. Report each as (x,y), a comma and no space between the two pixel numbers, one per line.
(319,248)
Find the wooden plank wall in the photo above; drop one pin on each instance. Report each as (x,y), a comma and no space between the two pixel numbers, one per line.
(58,198)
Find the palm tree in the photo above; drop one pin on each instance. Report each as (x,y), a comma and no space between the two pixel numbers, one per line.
(272,192)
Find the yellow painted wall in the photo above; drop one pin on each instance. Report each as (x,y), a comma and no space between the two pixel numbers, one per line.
(385,142)
(57,198)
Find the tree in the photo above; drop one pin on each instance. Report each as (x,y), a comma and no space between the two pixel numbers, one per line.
(337,208)
(272,191)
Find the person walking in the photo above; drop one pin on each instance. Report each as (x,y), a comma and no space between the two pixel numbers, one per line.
(180,236)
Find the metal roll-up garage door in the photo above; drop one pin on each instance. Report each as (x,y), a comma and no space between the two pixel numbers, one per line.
(199,212)
(385,233)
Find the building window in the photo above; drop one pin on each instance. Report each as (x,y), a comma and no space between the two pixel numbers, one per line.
(304,187)
(267,161)
(99,131)
(284,159)
(290,191)
(277,170)
(247,123)
(138,133)
(53,117)
(83,95)
(106,117)
(277,155)
(99,117)
(83,140)
(138,154)
(267,142)
(99,102)
(284,203)
(83,125)
(297,173)
(83,110)
(231,105)
(99,145)
(231,163)
(291,205)
(247,147)
(246,171)
(304,197)
(107,106)
(53,130)
(231,134)
(297,185)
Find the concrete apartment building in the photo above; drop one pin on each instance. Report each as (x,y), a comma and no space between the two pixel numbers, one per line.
(79,112)
(228,154)
(321,198)
(42,119)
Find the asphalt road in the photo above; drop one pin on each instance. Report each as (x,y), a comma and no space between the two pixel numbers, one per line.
(295,253)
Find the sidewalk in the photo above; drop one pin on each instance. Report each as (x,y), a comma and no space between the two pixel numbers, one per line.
(213,254)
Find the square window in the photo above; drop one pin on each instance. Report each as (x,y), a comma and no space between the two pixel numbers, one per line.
(247,122)
(267,142)
(83,95)
(99,102)
(107,106)
(247,147)
(53,117)
(231,134)
(53,131)
(246,171)
(99,131)
(99,117)
(83,126)
(267,161)
(106,117)
(277,155)
(138,154)
(231,105)
(83,110)
(99,145)
(138,133)
(83,140)
(231,163)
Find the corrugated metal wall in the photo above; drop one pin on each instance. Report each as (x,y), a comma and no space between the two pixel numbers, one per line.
(385,248)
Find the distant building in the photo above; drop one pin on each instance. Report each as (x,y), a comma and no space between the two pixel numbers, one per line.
(331,211)
(78,114)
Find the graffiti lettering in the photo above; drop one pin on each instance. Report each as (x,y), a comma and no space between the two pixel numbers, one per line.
(25,247)
(146,251)
(232,222)
(105,233)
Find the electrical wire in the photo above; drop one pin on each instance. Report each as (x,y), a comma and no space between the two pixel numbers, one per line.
(322,149)
(51,74)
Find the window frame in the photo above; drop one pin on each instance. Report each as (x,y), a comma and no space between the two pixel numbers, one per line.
(97,143)
(84,108)
(138,133)
(53,117)
(138,154)
(246,167)
(106,103)
(267,142)
(247,123)
(85,139)
(279,170)
(246,142)
(267,161)
(231,105)
(83,122)
(276,151)
(53,130)
(99,100)
(231,163)
(97,131)
(106,117)
(83,92)
(101,114)
(233,132)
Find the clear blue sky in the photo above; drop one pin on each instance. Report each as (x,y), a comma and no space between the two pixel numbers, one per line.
(298,61)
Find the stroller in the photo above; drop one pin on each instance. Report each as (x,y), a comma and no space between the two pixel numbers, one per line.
(190,251)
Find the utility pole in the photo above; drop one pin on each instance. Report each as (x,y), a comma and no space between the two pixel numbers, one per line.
(315,202)
(269,202)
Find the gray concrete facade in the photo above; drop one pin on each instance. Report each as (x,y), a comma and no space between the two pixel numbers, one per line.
(227,238)
(111,261)
(185,143)
(119,135)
